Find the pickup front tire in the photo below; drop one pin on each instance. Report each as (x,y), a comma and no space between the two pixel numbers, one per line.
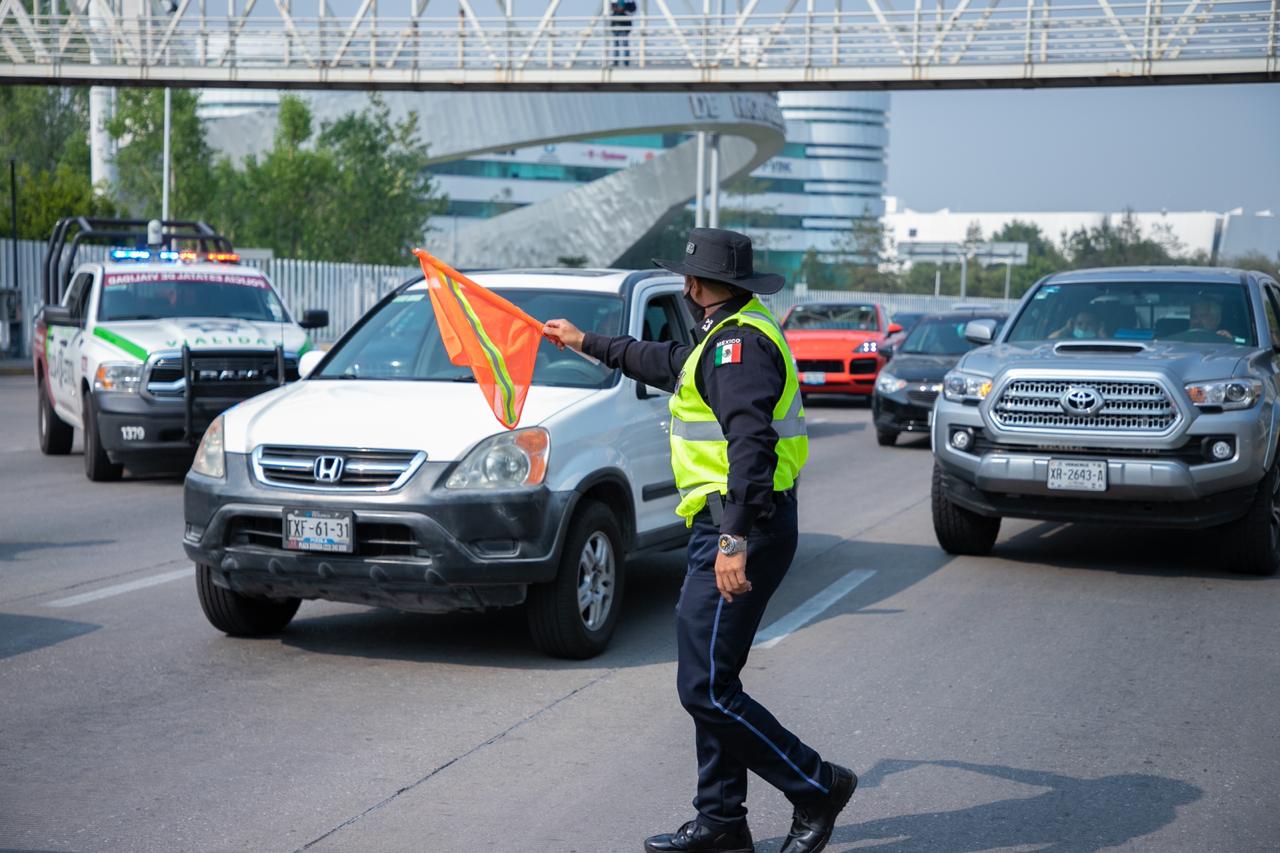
(55,433)
(1256,535)
(574,616)
(98,467)
(242,615)
(958,530)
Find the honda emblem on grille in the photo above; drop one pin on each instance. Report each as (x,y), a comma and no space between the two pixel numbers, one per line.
(328,469)
(1081,401)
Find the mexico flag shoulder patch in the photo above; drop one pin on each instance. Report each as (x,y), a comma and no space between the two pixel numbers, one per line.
(729,351)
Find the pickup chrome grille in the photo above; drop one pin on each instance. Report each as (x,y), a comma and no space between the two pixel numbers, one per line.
(238,375)
(335,469)
(1136,406)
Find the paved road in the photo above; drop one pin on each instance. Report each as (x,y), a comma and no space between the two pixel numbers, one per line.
(1080,690)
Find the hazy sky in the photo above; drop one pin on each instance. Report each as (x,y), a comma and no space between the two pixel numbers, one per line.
(1146,147)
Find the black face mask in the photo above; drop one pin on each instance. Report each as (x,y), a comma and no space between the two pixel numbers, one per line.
(697,309)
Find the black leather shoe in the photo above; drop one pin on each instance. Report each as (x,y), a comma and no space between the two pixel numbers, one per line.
(693,836)
(811,827)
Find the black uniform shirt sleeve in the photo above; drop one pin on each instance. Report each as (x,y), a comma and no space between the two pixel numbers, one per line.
(655,363)
(743,396)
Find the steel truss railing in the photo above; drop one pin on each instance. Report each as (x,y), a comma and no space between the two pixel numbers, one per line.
(1014,42)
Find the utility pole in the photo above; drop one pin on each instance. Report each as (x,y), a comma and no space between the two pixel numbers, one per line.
(700,180)
(714,208)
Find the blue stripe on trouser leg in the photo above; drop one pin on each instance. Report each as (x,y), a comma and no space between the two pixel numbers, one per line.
(734,732)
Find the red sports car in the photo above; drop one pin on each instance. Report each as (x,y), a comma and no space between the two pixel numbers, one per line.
(837,345)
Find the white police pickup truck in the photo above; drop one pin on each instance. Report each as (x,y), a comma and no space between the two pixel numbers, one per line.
(383,478)
(144,349)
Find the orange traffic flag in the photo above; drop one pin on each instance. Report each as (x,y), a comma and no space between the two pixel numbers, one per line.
(485,332)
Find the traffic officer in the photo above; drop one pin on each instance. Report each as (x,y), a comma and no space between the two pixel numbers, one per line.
(738,443)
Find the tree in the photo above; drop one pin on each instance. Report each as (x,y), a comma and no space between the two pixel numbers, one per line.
(1122,244)
(45,130)
(138,128)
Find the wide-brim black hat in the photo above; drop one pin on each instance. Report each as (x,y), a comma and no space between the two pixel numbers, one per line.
(722,255)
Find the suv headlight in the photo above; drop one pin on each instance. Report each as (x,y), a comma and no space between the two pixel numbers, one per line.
(962,387)
(210,459)
(1225,393)
(868,346)
(505,461)
(887,383)
(118,376)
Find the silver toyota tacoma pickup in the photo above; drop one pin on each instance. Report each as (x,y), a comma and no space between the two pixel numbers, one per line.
(1133,396)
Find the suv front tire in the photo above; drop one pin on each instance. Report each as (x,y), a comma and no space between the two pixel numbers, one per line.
(574,616)
(242,615)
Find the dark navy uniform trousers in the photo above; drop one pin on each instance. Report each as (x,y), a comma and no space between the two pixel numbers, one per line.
(734,732)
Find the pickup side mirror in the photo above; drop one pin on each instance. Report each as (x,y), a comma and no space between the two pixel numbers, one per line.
(56,315)
(314,318)
(980,332)
(308,362)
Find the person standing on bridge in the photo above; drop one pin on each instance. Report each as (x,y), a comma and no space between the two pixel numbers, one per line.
(738,443)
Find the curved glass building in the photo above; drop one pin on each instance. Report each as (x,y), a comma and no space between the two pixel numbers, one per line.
(831,171)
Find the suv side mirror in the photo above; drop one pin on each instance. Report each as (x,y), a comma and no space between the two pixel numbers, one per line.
(56,315)
(314,318)
(980,331)
(894,328)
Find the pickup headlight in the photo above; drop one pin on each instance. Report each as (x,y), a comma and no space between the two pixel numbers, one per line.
(1225,393)
(887,383)
(210,459)
(118,376)
(961,387)
(868,346)
(505,461)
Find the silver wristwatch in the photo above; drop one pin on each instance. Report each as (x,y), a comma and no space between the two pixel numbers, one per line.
(730,545)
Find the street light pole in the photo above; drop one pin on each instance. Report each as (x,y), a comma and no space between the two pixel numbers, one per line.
(164,192)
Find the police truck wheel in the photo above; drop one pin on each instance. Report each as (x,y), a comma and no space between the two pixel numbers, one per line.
(55,433)
(574,615)
(960,531)
(886,437)
(1257,534)
(242,615)
(98,467)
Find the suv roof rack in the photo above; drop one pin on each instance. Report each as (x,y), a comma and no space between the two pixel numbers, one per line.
(73,231)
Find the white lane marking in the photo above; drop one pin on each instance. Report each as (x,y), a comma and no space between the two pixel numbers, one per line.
(120,588)
(810,610)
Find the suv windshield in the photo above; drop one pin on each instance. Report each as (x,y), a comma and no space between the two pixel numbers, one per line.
(1138,311)
(158,296)
(402,340)
(941,336)
(860,318)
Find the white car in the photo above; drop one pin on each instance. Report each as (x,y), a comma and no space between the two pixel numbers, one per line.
(114,356)
(383,477)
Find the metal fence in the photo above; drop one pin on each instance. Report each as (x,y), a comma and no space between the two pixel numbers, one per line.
(346,291)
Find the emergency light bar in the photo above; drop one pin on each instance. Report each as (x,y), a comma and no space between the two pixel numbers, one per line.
(171,255)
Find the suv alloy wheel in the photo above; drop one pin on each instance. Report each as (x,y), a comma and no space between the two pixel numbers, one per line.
(574,615)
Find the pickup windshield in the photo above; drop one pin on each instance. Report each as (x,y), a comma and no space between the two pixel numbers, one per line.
(1137,311)
(159,296)
(402,341)
(840,317)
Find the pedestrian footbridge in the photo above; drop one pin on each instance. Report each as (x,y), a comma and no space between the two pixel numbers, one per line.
(667,44)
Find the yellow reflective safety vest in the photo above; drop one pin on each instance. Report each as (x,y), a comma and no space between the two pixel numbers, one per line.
(699,450)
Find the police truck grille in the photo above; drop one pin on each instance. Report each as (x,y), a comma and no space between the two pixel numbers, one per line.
(237,375)
(363,470)
(1132,406)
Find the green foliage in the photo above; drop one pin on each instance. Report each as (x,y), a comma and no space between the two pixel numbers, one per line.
(45,131)
(1124,244)
(138,128)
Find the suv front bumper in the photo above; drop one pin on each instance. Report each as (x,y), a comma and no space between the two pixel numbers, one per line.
(1162,484)
(419,548)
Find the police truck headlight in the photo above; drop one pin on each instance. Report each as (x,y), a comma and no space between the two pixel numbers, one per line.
(118,376)
(887,383)
(1225,393)
(211,460)
(963,388)
(506,461)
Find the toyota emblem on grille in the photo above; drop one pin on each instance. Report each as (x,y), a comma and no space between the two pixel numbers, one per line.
(328,469)
(1081,401)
